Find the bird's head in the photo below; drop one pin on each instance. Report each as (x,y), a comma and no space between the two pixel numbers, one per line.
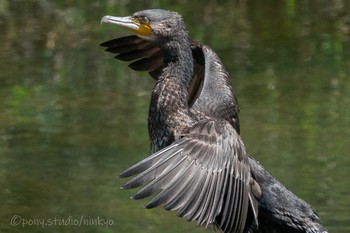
(153,25)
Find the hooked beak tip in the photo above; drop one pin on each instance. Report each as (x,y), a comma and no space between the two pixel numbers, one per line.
(105,19)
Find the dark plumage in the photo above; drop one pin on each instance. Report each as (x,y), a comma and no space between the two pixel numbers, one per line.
(199,164)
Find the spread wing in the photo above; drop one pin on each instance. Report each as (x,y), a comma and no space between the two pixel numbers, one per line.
(204,175)
(214,97)
(130,48)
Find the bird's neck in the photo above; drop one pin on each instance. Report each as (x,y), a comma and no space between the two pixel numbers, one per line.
(178,61)
(169,113)
(177,73)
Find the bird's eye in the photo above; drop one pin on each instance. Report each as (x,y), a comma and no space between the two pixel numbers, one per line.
(144,20)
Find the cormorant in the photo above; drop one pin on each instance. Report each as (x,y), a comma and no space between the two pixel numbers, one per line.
(199,165)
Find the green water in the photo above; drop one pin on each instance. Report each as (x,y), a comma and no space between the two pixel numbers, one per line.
(72,117)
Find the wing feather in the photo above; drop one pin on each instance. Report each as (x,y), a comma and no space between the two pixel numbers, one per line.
(162,165)
(173,192)
(204,175)
(149,161)
(137,53)
(144,54)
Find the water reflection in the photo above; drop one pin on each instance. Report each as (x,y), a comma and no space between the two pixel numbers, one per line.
(72,118)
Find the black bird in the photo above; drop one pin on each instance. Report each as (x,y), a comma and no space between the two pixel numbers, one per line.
(199,164)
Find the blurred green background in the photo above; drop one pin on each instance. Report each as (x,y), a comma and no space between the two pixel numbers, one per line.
(72,117)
